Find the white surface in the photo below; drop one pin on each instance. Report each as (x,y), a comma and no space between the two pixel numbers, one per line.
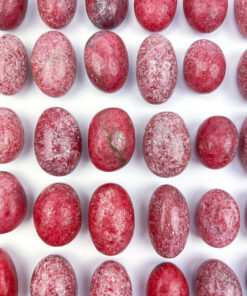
(83,101)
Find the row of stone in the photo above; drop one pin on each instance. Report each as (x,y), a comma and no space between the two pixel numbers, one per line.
(111,141)
(54,275)
(152,15)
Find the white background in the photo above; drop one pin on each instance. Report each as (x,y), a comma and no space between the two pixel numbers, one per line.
(83,101)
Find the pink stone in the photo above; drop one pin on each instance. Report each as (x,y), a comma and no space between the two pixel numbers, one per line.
(111,139)
(240,9)
(106,61)
(166,145)
(168,221)
(155,15)
(167,280)
(111,219)
(215,278)
(57,142)
(13,203)
(12,13)
(57,214)
(205,15)
(53,64)
(106,14)
(11,135)
(217,142)
(218,218)
(53,276)
(13,64)
(8,275)
(56,13)
(110,278)
(156,69)
(204,66)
